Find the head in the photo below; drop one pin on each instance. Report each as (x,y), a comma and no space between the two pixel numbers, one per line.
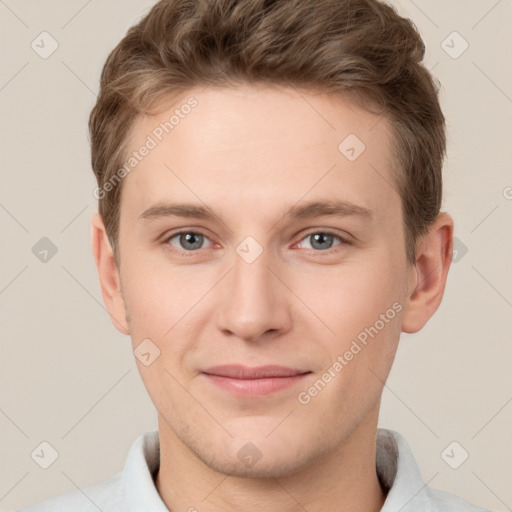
(261,118)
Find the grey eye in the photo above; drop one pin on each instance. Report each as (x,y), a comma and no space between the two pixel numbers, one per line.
(188,240)
(321,241)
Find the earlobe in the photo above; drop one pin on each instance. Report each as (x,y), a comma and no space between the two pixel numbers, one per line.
(433,260)
(108,274)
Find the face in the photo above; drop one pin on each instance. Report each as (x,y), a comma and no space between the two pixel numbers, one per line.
(289,252)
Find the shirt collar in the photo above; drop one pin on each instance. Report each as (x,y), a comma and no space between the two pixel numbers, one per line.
(398,471)
(141,465)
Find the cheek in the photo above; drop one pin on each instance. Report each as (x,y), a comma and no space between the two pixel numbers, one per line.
(362,305)
(350,297)
(148,305)
(166,304)
(360,355)
(157,292)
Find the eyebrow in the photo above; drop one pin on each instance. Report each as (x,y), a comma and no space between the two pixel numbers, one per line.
(310,210)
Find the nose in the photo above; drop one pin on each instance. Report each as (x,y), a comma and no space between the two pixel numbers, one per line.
(255,304)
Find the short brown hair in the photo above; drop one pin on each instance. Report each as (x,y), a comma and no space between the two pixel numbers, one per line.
(333,46)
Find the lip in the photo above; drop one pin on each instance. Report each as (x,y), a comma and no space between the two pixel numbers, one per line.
(254,381)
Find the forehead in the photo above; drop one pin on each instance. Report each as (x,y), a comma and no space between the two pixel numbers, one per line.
(255,146)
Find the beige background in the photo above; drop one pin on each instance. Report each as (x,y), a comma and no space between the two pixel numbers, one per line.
(69,378)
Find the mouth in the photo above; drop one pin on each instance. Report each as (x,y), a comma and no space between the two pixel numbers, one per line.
(256,381)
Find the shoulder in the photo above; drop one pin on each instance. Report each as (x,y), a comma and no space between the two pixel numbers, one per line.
(446,501)
(399,473)
(133,485)
(106,496)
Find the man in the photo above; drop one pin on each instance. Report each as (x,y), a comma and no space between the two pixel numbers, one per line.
(269,185)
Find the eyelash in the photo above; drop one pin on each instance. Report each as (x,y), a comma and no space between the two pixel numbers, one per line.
(186,254)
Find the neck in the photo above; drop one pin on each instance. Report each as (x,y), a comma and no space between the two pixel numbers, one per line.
(341,480)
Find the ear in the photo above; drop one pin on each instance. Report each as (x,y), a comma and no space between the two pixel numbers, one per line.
(108,274)
(433,260)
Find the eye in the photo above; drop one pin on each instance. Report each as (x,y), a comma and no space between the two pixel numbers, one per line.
(322,240)
(189,241)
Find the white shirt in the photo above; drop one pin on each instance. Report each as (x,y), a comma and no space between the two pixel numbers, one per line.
(133,489)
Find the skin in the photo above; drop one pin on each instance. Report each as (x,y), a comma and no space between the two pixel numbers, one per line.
(250,154)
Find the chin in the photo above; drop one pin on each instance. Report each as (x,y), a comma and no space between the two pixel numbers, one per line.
(275,456)
(265,468)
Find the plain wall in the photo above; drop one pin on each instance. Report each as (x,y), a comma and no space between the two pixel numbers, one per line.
(69,378)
